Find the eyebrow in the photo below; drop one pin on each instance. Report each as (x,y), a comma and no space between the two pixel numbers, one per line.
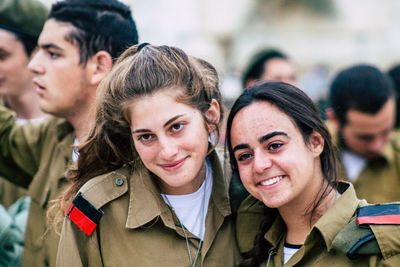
(270,135)
(165,124)
(50,46)
(240,146)
(261,140)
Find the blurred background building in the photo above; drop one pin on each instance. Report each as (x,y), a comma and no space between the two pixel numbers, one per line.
(320,36)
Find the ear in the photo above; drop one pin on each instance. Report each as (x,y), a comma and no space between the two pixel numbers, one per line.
(99,66)
(213,114)
(316,143)
(249,83)
(332,118)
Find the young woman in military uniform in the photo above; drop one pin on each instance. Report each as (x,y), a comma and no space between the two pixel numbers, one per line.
(148,189)
(297,214)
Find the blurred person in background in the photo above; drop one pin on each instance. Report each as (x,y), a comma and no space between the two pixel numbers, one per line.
(76,49)
(269,65)
(394,73)
(361,117)
(21,22)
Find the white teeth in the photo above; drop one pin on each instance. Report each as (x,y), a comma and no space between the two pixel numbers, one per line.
(272,180)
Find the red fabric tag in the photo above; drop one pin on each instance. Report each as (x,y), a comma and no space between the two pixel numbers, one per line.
(385,219)
(83,222)
(69,209)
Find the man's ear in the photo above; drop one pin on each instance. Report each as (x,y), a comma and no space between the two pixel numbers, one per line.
(213,114)
(99,66)
(332,118)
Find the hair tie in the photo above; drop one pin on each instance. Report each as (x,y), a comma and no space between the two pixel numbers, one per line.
(141,46)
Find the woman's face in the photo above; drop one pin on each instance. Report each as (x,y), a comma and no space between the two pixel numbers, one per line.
(275,165)
(171,139)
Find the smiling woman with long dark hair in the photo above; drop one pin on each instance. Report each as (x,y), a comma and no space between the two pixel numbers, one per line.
(298,214)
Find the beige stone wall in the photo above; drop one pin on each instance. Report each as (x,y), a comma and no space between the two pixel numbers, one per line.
(331,34)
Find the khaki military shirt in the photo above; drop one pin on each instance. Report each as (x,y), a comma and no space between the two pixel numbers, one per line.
(36,156)
(139,229)
(10,193)
(319,247)
(379,180)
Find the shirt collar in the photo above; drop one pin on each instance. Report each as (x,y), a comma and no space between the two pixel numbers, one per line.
(339,214)
(330,224)
(146,203)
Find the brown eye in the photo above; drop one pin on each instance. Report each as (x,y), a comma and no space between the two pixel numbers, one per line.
(145,137)
(274,146)
(177,127)
(243,157)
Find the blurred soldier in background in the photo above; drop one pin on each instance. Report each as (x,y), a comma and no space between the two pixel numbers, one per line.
(361,116)
(269,65)
(21,22)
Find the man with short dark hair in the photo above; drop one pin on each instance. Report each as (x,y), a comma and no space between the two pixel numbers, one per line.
(362,116)
(76,49)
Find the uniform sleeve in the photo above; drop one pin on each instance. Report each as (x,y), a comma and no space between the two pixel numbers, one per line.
(76,248)
(20,148)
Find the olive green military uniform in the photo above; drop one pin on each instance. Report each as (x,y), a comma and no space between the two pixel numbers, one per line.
(379,181)
(10,193)
(37,155)
(26,18)
(329,239)
(139,229)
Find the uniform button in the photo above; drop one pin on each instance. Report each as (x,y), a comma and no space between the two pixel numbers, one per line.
(119,181)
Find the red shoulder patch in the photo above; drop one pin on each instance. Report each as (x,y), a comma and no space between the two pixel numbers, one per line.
(379,214)
(83,214)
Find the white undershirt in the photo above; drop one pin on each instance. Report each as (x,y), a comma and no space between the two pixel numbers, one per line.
(353,164)
(191,209)
(21,121)
(288,252)
(75,153)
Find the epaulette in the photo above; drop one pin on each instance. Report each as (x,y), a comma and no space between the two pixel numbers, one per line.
(364,234)
(85,210)
(379,214)
(83,214)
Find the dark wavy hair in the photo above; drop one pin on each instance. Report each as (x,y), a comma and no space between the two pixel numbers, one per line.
(98,25)
(302,111)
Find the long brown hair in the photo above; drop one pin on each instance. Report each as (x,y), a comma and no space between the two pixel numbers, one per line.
(136,73)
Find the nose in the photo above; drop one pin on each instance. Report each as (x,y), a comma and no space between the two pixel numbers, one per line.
(261,162)
(377,144)
(34,64)
(168,150)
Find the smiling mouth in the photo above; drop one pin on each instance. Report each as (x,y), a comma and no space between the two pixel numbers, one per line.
(39,87)
(174,165)
(272,180)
